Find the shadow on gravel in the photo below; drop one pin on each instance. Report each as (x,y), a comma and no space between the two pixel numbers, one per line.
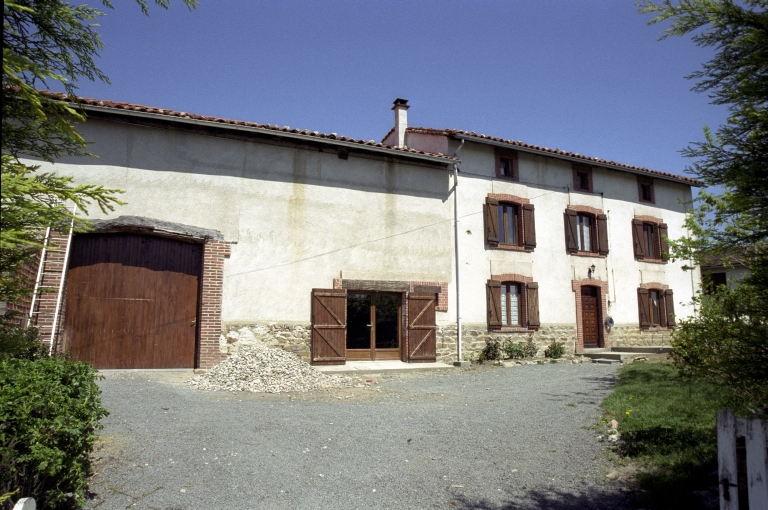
(551,500)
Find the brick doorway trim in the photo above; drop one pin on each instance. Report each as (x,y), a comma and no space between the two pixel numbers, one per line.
(604,341)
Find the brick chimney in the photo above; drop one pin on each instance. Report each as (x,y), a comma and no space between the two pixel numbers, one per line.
(401,120)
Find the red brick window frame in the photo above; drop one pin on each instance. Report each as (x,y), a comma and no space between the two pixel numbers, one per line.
(497,208)
(440,287)
(648,233)
(645,191)
(582,177)
(598,231)
(604,340)
(528,303)
(507,166)
(658,315)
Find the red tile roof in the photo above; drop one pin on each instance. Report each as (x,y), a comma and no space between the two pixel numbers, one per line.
(554,152)
(130,107)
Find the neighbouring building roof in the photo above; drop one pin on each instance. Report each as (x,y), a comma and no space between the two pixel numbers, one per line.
(480,138)
(90,104)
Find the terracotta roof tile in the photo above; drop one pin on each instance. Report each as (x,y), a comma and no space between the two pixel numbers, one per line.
(206,118)
(554,152)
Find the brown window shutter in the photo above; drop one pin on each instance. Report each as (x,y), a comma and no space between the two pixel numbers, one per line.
(664,247)
(644,308)
(532,298)
(602,234)
(570,231)
(529,226)
(491,221)
(669,302)
(638,241)
(493,296)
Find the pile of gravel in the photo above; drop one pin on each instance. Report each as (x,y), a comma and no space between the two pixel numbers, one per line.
(265,370)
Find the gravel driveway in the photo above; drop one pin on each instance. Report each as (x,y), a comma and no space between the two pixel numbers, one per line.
(490,438)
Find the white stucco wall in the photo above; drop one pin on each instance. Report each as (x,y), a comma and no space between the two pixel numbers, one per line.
(299,217)
(545,181)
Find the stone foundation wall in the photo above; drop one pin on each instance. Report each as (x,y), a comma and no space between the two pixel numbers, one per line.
(474,336)
(292,337)
(624,335)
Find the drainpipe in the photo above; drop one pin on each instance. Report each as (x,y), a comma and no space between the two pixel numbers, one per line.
(459,361)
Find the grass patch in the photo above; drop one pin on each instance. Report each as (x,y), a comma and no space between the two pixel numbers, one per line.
(668,427)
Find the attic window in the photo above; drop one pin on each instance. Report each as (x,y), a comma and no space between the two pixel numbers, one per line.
(645,190)
(506,164)
(582,177)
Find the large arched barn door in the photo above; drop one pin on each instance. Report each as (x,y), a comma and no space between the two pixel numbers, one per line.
(131,301)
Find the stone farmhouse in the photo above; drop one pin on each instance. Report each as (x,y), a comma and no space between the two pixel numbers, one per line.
(342,249)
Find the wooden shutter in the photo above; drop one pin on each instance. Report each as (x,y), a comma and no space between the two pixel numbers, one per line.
(532,300)
(644,308)
(422,330)
(491,221)
(602,234)
(571,243)
(638,240)
(329,326)
(669,303)
(493,299)
(663,232)
(529,226)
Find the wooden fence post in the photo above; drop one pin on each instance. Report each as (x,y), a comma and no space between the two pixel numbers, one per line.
(726,460)
(757,463)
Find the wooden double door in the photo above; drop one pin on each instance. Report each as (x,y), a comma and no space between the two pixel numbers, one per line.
(132,300)
(374,325)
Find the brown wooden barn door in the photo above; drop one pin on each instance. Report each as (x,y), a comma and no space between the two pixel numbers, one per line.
(329,326)
(590,322)
(132,301)
(422,331)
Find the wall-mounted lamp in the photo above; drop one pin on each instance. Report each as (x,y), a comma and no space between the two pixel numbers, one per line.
(591,270)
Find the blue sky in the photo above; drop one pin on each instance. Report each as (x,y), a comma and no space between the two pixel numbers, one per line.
(584,76)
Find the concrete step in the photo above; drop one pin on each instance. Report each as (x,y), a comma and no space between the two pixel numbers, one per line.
(643,350)
(606,361)
(606,354)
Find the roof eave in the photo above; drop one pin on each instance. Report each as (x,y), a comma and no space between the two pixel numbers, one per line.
(270,132)
(573,158)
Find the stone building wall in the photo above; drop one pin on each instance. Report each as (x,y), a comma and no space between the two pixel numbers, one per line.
(633,336)
(292,337)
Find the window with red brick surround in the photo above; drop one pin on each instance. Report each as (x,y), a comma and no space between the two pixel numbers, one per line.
(509,222)
(656,307)
(648,241)
(586,231)
(500,300)
(506,164)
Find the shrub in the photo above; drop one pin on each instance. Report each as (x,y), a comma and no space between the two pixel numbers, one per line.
(17,341)
(491,351)
(555,350)
(518,350)
(49,412)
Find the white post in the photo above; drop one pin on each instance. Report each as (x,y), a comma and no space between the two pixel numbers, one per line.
(756,437)
(726,460)
(54,326)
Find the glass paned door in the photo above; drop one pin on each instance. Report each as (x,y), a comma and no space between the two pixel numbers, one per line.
(358,321)
(373,326)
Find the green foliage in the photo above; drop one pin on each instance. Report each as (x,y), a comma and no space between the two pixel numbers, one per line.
(555,350)
(667,424)
(17,341)
(731,226)
(519,350)
(49,413)
(491,351)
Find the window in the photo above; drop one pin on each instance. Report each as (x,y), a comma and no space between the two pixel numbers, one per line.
(645,190)
(506,164)
(712,281)
(510,225)
(656,307)
(512,304)
(582,177)
(586,233)
(648,240)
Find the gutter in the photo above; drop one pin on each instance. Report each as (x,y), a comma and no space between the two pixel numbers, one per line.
(459,355)
(574,159)
(268,132)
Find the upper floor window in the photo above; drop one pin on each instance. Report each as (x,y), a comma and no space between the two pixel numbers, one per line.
(586,233)
(506,164)
(510,224)
(582,177)
(648,240)
(645,190)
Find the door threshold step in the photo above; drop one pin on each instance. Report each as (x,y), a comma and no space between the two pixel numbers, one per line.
(606,361)
(361,367)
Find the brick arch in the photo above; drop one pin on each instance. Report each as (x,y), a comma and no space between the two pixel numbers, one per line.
(506,197)
(576,286)
(649,219)
(511,277)
(585,209)
(654,285)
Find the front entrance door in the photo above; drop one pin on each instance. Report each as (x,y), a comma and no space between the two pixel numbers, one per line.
(373,325)
(590,322)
